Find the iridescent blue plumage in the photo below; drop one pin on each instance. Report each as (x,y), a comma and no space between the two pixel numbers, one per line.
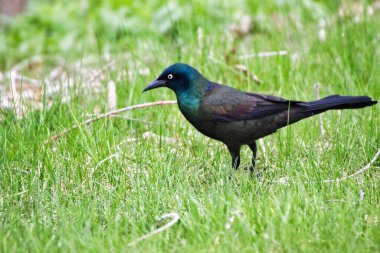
(188,85)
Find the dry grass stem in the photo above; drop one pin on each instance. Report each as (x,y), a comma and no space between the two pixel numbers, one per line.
(174,219)
(105,115)
(358,172)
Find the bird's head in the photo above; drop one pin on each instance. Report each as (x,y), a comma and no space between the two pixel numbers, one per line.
(178,77)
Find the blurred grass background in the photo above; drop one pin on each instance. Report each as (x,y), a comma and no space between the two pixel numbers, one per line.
(81,27)
(96,190)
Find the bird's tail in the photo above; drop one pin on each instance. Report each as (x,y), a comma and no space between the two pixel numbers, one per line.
(336,102)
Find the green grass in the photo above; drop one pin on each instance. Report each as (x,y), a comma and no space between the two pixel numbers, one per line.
(57,198)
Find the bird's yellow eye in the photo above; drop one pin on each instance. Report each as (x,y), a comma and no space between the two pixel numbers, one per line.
(170,76)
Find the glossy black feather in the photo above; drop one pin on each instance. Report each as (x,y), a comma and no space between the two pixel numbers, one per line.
(239,118)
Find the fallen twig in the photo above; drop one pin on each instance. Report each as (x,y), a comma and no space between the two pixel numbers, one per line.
(105,115)
(175,218)
(139,120)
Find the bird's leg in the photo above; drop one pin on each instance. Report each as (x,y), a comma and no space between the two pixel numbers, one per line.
(235,155)
(253,147)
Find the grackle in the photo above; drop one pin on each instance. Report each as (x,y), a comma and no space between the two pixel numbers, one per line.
(236,117)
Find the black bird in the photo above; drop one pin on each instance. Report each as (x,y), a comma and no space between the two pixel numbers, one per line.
(236,117)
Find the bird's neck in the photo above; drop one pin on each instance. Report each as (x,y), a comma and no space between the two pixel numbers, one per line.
(189,100)
(188,103)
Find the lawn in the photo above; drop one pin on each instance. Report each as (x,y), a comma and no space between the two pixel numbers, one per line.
(102,186)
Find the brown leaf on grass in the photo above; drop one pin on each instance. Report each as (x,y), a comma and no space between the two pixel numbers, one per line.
(26,84)
(244,70)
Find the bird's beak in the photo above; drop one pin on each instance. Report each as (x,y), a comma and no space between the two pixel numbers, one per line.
(155,84)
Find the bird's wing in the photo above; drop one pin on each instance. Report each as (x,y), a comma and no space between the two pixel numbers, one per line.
(224,104)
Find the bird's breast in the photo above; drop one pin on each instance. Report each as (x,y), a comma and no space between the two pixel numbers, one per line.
(189,106)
